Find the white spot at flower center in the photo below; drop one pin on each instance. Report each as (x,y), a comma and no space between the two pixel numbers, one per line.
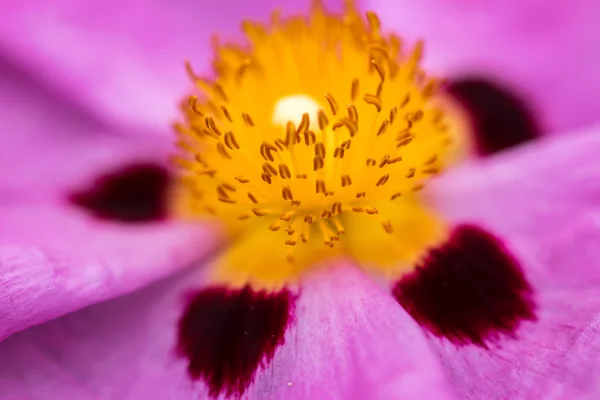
(291,108)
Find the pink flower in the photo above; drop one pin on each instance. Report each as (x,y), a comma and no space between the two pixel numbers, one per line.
(482,285)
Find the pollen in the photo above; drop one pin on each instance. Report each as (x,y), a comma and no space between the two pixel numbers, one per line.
(320,125)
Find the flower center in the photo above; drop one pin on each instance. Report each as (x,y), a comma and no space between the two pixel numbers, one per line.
(317,124)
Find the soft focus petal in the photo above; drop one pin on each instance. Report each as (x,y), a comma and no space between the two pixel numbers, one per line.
(31,114)
(545,49)
(541,200)
(349,340)
(124,59)
(43,168)
(557,357)
(56,257)
(53,261)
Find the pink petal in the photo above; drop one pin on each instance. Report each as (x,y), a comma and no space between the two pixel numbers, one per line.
(124,59)
(55,260)
(541,200)
(30,113)
(544,49)
(350,340)
(553,358)
(56,257)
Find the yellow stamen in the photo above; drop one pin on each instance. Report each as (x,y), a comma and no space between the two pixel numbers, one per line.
(320,121)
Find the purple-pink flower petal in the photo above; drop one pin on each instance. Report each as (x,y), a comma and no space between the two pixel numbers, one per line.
(554,358)
(349,340)
(124,60)
(546,50)
(55,259)
(541,200)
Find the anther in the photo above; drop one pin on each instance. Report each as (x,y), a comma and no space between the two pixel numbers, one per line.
(393,113)
(354,89)
(371,210)
(411,172)
(259,212)
(320,186)
(309,219)
(326,214)
(221,150)
(346,180)
(379,70)
(266,178)
(323,121)
(332,103)
(404,142)
(384,160)
(395,196)
(210,172)
(346,144)
(338,153)
(281,144)
(303,127)
(387,226)
(383,127)
(286,193)
(318,163)
(252,198)
(226,200)
(192,105)
(374,101)
(275,226)
(358,209)
(371,162)
(230,141)
(284,171)
(268,169)
(320,150)
(350,125)
(310,138)
(247,119)
(352,113)
(291,137)
(226,113)
(405,101)
(431,159)
(336,208)
(360,194)
(210,124)
(242,179)
(290,242)
(383,180)
(287,216)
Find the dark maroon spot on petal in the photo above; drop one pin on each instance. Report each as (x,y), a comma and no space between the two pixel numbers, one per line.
(227,334)
(501,119)
(136,193)
(468,290)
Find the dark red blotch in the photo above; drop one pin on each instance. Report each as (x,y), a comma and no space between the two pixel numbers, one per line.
(135,193)
(227,334)
(501,118)
(468,290)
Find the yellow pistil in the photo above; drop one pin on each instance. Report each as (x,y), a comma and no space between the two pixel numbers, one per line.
(314,141)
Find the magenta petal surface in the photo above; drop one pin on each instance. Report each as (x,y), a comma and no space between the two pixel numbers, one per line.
(542,201)
(124,59)
(55,260)
(554,358)
(544,49)
(350,340)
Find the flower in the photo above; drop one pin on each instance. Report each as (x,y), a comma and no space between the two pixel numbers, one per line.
(486,279)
